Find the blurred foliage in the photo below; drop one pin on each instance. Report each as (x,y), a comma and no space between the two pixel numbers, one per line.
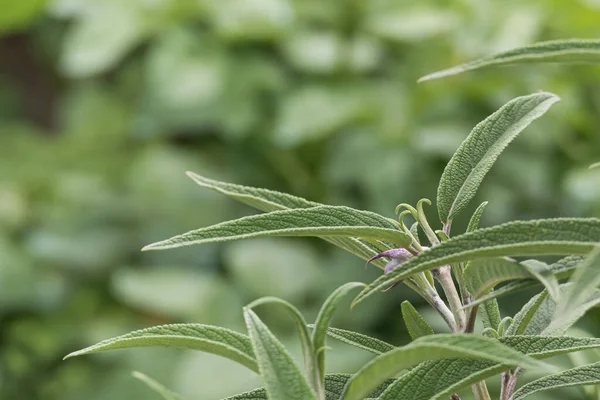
(105,103)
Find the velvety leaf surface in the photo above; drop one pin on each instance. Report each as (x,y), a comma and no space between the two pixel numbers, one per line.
(415,323)
(368,343)
(157,387)
(564,51)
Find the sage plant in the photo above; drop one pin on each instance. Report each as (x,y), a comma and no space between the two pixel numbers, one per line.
(460,274)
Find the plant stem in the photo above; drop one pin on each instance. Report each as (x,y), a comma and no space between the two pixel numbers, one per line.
(434,299)
(505,385)
(480,391)
(444,276)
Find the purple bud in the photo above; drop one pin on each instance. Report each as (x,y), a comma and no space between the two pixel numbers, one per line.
(397,257)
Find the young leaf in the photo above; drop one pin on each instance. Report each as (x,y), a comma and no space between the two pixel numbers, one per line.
(522,319)
(585,375)
(269,200)
(282,378)
(428,348)
(476,217)
(518,238)
(476,155)
(334,386)
(323,319)
(310,358)
(368,343)
(315,221)
(561,269)
(210,339)
(482,275)
(415,323)
(490,314)
(565,51)
(543,273)
(159,388)
(583,282)
(437,380)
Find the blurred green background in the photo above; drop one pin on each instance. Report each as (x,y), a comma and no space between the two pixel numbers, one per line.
(105,103)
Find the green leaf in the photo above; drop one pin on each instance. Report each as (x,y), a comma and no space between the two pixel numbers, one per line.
(210,339)
(476,155)
(437,380)
(561,269)
(282,378)
(269,200)
(324,318)
(17,14)
(476,217)
(565,51)
(156,386)
(585,375)
(368,343)
(482,275)
(310,359)
(428,348)
(416,325)
(334,386)
(490,314)
(583,283)
(522,319)
(519,238)
(543,273)
(315,221)
(595,165)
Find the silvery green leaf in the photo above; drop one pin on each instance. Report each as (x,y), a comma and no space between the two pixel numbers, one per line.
(270,200)
(368,343)
(433,347)
(452,375)
(543,273)
(518,238)
(314,221)
(210,339)
(476,155)
(281,376)
(157,387)
(563,51)
(323,320)
(522,319)
(476,217)
(579,376)
(415,323)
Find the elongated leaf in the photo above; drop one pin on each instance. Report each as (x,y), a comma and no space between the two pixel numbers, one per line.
(482,275)
(564,51)
(368,343)
(210,339)
(543,273)
(583,282)
(159,388)
(416,325)
(334,386)
(269,200)
(282,378)
(561,269)
(490,314)
(315,221)
(437,380)
(586,375)
(310,359)
(476,155)
(428,348)
(324,318)
(522,319)
(519,238)
(476,217)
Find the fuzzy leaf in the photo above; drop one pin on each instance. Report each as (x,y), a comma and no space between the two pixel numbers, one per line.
(334,386)
(543,273)
(315,221)
(323,319)
(561,269)
(522,319)
(519,238)
(429,348)
(583,283)
(437,380)
(476,155)
(157,387)
(210,339)
(270,200)
(282,377)
(416,325)
(564,51)
(482,275)
(580,376)
(310,360)
(368,343)
(476,217)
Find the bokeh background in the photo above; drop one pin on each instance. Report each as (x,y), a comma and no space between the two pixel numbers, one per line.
(104,104)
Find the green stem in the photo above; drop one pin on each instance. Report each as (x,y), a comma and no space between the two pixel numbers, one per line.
(444,276)
(480,391)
